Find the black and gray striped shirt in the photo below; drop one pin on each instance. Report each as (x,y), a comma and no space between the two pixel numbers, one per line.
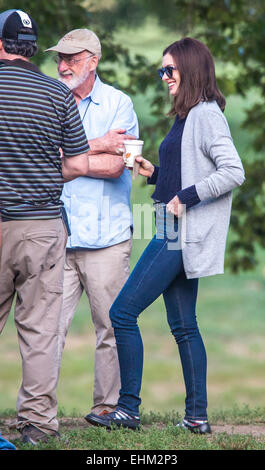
(38,116)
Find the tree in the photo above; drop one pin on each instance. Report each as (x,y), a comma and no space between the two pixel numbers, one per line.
(53,18)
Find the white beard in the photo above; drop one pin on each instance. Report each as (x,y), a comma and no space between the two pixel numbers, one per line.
(76,80)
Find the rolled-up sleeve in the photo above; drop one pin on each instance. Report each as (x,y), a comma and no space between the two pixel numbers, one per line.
(125,116)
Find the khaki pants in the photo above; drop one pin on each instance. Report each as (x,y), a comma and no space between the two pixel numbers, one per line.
(101,273)
(33,253)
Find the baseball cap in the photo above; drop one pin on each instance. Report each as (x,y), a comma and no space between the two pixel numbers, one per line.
(76,41)
(13,21)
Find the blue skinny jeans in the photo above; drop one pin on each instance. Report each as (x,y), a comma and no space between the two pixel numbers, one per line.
(160,271)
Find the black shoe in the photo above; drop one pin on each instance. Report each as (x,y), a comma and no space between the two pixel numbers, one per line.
(196,426)
(33,435)
(117,418)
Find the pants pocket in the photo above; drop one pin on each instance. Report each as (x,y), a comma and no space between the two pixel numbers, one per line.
(41,250)
(53,296)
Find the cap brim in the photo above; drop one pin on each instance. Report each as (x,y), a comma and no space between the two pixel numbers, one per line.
(64,49)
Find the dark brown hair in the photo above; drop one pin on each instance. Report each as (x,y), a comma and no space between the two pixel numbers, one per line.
(20,47)
(197,76)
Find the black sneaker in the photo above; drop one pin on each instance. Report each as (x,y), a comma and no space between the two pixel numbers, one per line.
(117,418)
(32,435)
(196,426)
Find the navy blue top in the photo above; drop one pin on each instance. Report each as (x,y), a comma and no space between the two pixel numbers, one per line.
(167,177)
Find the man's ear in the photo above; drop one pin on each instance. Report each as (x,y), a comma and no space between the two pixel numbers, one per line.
(93,62)
(1,45)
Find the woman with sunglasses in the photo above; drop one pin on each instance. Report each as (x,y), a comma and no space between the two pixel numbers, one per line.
(199,168)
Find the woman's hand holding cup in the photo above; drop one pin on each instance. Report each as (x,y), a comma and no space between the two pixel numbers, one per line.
(146,168)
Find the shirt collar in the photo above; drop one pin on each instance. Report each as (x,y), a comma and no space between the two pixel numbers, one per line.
(22,63)
(95,93)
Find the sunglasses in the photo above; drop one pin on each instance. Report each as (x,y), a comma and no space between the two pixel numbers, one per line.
(168,70)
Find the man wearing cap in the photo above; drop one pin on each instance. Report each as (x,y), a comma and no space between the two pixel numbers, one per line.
(98,210)
(38,119)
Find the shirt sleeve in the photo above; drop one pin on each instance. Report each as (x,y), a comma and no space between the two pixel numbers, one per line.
(125,117)
(74,140)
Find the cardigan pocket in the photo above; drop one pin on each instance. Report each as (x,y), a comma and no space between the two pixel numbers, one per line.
(200,220)
(194,257)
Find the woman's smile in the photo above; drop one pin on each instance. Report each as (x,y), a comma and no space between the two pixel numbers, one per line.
(174,81)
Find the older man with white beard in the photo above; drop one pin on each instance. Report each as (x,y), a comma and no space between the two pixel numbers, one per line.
(98,209)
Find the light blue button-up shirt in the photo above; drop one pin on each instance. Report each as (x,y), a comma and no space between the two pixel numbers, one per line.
(99,210)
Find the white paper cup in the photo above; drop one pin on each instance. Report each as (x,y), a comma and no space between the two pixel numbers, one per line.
(132,149)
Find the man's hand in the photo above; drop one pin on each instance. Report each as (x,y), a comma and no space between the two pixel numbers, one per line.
(111,142)
(175,207)
(146,168)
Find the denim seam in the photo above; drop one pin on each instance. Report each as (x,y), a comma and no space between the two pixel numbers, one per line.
(190,355)
(146,271)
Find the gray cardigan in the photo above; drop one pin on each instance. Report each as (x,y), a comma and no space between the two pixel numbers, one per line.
(210,161)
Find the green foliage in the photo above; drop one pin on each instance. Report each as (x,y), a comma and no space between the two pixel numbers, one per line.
(54,18)
(248,218)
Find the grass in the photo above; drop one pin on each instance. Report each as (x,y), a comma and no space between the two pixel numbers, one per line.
(159,432)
